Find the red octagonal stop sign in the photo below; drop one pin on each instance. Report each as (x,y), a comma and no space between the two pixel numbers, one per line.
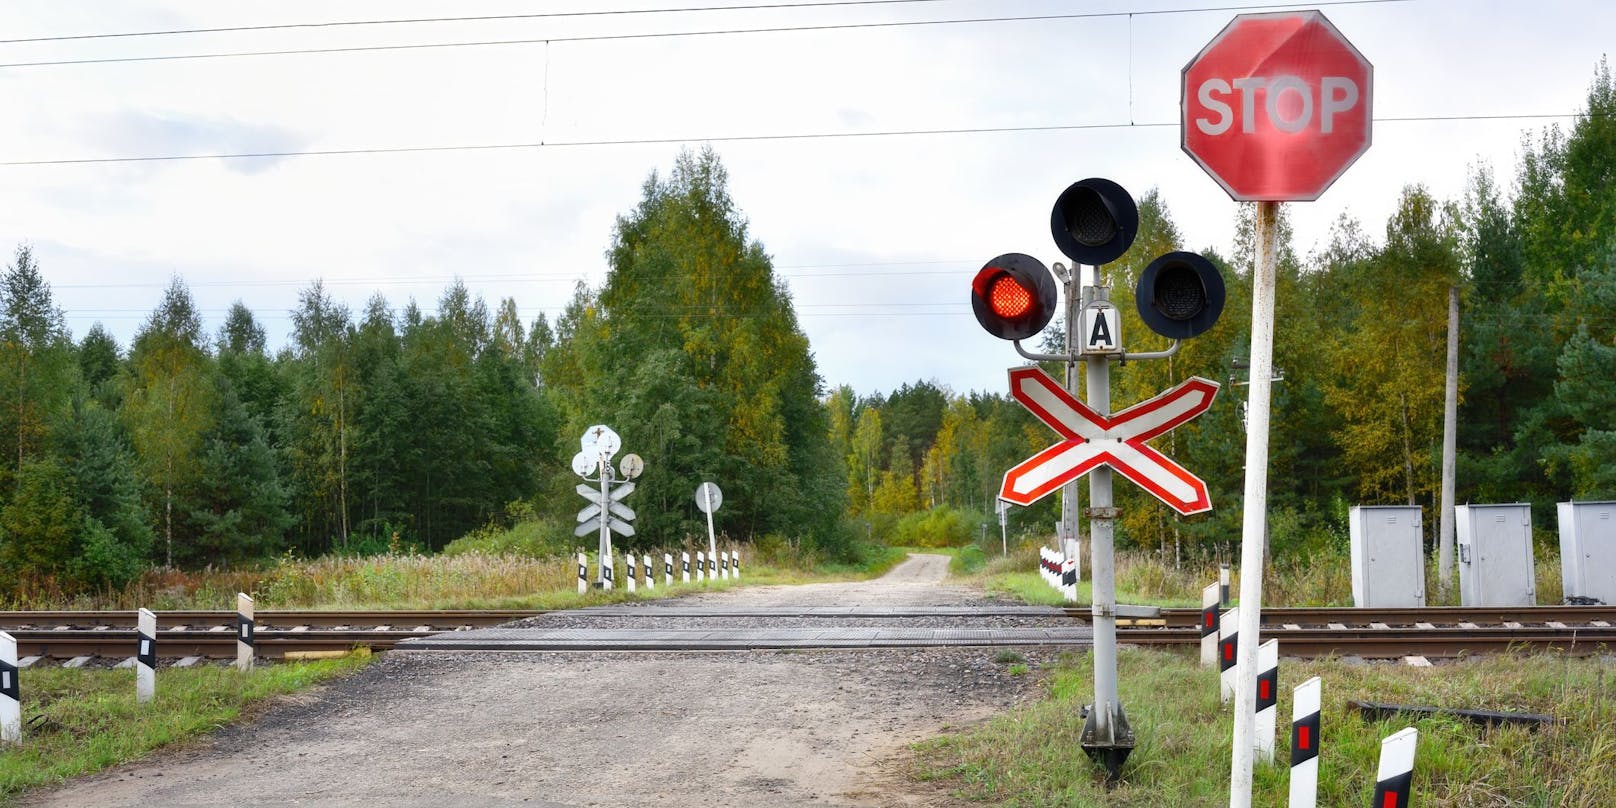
(1276,106)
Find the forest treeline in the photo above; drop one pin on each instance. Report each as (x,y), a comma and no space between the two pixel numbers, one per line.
(391,426)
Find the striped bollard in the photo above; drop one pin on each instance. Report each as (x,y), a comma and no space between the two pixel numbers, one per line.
(1396,774)
(628,560)
(145,656)
(10,691)
(1209,626)
(667,569)
(1228,650)
(583,574)
(1267,699)
(650,571)
(735,564)
(684,567)
(1223,585)
(244,632)
(723,565)
(701,566)
(712,566)
(1305,707)
(1069,580)
(607,571)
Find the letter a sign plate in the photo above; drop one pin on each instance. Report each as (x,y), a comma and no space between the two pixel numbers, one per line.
(1118,441)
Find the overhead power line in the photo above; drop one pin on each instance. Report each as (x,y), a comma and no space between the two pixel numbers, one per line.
(671,34)
(561,144)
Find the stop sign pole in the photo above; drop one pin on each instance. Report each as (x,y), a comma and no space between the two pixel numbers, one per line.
(1275,108)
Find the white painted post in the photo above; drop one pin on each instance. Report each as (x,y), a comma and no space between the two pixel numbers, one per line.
(1209,626)
(684,567)
(1396,773)
(244,632)
(735,564)
(145,656)
(667,569)
(1223,584)
(1228,649)
(628,561)
(701,566)
(650,571)
(10,691)
(1069,579)
(608,570)
(723,564)
(1267,700)
(712,566)
(583,574)
(1305,708)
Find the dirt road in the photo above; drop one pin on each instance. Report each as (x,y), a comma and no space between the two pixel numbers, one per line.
(666,729)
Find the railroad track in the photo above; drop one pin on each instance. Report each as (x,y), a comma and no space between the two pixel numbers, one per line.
(1370,633)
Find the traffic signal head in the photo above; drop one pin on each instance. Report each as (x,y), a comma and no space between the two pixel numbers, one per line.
(1180,295)
(1094,221)
(1013,296)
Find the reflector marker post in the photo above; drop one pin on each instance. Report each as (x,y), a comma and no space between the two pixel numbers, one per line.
(723,564)
(735,564)
(1267,700)
(1228,649)
(701,566)
(145,656)
(10,692)
(667,569)
(1395,777)
(583,574)
(1069,579)
(684,567)
(650,571)
(628,560)
(1209,626)
(1305,709)
(1223,584)
(244,632)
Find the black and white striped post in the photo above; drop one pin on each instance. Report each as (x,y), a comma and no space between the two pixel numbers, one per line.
(608,564)
(1223,584)
(735,564)
(583,574)
(1305,707)
(1069,578)
(10,691)
(684,567)
(244,632)
(1395,777)
(1209,626)
(701,566)
(712,565)
(650,571)
(145,656)
(1228,650)
(667,569)
(1267,700)
(628,559)
(723,565)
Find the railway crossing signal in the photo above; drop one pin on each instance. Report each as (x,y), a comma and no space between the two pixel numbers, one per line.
(605,514)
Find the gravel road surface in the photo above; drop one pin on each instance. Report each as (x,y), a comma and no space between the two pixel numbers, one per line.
(767,728)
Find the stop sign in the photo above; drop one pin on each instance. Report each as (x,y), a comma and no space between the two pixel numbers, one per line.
(1277,106)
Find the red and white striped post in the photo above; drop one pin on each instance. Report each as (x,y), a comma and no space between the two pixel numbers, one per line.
(1306,703)
(1395,778)
(10,691)
(1228,650)
(1267,700)
(145,656)
(244,632)
(1209,626)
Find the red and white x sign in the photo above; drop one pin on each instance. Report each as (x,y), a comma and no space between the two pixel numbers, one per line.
(1118,441)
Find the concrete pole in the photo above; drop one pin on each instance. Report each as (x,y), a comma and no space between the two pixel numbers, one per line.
(1450,440)
(712,538)
(244,632)
(145,656)
(605,470)
(10,692)
(1252,529)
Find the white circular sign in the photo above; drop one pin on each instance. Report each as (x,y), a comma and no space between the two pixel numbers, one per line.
(600,440)
(708,497)
(583,464)
(631,466)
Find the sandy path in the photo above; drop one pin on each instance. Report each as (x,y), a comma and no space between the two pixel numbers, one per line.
(499,729)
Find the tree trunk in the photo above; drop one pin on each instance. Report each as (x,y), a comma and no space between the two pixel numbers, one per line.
(1408,451)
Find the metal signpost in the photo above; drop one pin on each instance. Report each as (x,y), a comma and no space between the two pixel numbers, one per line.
(1275,108)
(605,512)
(708,499)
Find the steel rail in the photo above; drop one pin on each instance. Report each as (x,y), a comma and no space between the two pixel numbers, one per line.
(322,619)
(1277,617)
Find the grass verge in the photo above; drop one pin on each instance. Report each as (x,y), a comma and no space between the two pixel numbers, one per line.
(1031,756)
(81,721)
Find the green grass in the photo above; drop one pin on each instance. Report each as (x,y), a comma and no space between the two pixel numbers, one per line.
(87,720)
(1031,756)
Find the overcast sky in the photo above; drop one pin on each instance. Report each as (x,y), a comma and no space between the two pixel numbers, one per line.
(877,236)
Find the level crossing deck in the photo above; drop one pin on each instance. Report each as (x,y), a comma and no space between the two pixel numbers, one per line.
(739,639)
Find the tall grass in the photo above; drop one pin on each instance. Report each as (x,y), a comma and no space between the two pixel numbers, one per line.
(1031,756)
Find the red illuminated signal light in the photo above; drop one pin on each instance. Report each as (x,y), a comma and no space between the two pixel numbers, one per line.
(1008,298)
(1013,296)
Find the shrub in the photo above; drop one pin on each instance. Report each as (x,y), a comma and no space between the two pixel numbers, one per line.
(939,527)
(532,538)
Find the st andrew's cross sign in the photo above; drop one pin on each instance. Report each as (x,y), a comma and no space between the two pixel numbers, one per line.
(1118,441)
